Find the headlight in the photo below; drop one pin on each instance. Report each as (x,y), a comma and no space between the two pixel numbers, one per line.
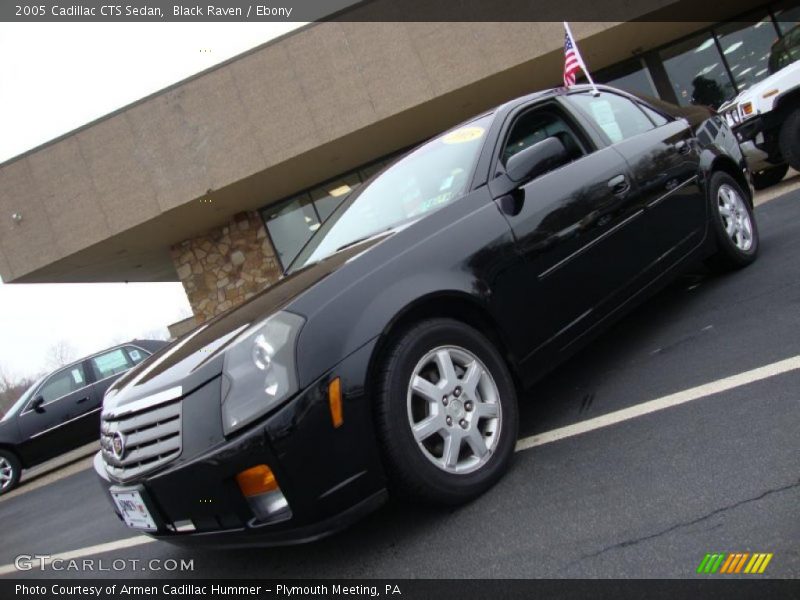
(259,370)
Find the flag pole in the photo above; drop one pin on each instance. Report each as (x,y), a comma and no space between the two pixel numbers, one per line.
(595,91)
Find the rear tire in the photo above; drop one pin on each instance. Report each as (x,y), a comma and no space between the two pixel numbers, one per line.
(769,177)
(789,139)
(446,413)
(733,224)
(10,470)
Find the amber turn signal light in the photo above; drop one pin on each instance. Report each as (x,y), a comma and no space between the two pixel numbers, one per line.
(257,480)
(335,402)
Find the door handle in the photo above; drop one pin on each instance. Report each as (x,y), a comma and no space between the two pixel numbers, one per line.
(84,399)
(619,185)
(681,147)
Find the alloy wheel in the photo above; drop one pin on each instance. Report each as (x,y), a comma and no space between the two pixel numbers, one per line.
(454,409)
(735,217)
(6,473)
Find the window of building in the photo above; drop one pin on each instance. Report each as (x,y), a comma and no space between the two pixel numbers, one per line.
(62,383)
(326,198)
(618,117)
(632,76)
(292,223)
(697,72)
(746,48)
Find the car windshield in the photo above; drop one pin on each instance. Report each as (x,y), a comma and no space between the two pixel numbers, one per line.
(431,176)
(786,51)
(22,400)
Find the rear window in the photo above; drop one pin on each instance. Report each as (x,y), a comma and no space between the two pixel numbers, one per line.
(786,51)
(111,363)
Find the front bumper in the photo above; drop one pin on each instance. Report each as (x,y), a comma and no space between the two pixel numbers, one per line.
(759,144)
(329,476)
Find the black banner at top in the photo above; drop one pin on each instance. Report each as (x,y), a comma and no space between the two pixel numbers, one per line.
(371,10)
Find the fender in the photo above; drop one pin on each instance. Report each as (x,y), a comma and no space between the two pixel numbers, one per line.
(355,314)
(713,158)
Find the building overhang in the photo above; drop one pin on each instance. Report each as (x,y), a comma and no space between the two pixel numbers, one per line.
(108,201)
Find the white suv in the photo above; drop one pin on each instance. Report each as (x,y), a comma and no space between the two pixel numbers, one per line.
(766,117)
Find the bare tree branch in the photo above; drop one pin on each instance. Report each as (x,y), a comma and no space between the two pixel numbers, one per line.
(60,354)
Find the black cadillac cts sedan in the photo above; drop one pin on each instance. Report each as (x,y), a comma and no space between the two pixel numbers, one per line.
(390,356)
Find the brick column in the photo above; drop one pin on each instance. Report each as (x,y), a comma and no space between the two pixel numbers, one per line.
(226,265)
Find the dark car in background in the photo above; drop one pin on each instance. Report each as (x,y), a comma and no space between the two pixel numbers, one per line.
(61,410)
(389,357)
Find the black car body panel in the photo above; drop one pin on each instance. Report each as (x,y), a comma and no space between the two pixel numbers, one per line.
(72,418)
(542,266)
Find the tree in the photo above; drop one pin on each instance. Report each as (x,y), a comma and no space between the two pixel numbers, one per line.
(11,388)
(60,354)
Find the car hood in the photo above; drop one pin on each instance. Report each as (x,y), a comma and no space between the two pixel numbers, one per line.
(197,357)
(765,85)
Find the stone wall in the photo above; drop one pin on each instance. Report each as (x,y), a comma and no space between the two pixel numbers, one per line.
(227,265)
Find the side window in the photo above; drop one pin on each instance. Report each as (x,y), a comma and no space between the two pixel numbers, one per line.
(63,383)
(537,125)
(618,117)
(655,117)
(136,355)
(111,363)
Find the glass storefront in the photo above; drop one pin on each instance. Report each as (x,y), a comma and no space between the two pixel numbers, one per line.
(291,223)
(697,72)
(746,48)
(631,76)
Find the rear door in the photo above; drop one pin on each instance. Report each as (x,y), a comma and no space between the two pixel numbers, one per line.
(664,161)
(109,366)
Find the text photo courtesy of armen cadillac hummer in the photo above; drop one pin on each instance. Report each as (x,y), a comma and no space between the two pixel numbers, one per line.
(392,294)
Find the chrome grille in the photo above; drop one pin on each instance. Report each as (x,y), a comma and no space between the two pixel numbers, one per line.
(152,438)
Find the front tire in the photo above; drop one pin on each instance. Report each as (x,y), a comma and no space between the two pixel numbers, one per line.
(446,413)
(789,139)
(10,470)
(733,223)
(769,177)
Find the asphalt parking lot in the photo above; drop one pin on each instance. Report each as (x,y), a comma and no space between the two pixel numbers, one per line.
(643,493)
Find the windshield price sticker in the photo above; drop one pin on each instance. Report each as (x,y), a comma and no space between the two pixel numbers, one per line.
(465,134)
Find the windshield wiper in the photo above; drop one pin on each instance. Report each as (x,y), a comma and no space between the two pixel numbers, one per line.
(363,239)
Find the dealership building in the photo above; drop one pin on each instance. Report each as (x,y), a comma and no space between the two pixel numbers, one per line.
(218,180)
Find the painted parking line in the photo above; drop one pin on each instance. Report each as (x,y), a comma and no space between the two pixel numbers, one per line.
(131,542)
(612,418)
(676,399)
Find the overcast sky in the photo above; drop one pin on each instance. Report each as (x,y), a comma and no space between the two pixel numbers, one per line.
(56,77)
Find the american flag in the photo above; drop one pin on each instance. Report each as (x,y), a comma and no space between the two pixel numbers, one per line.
(572,62)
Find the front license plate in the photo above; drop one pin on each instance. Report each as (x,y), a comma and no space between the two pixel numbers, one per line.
(133,509)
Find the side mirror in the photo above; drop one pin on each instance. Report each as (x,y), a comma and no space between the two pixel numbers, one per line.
(37,404)
(535,160)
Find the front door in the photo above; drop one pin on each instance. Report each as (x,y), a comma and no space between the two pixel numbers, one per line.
(67,396)
(577,227)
